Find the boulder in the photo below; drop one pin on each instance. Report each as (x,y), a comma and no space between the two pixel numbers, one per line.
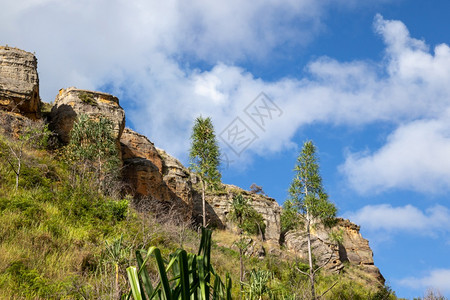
(71,102)
(19,82)
(12,124)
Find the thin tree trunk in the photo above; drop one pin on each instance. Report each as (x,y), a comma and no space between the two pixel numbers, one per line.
(117,294)
(311,267)
(241,262)
(203,203)
(18,173)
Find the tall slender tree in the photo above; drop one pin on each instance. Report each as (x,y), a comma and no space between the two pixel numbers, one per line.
(310,200)
(204,157)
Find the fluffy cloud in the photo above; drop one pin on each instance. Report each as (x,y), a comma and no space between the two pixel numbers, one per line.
(86,42)
(437,279)
(415,157)
(143,51)
(388,219)
(353,93)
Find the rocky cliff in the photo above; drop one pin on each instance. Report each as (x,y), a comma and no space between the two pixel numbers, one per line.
(152,175)
(353,248)
(71,102)
(19,82)
(219,206)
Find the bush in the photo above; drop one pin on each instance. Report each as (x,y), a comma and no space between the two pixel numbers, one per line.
(93,153)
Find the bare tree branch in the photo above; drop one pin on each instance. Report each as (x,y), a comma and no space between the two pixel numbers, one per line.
(328,289)
(304,273)
(323,265)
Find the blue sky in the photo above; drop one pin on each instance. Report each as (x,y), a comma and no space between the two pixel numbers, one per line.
(367,81)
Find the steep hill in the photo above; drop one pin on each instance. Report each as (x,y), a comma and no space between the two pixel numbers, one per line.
(54,230)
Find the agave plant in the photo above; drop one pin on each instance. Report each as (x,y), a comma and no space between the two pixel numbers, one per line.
(191,275)
(258,285)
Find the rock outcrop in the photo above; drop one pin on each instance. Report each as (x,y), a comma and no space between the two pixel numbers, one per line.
(324,250)
(153,176)
(353,249)
(71,102)
(12,124)
(136,145)
(219,206)
(177,177)
(19,82)
(356,250)
(149,176)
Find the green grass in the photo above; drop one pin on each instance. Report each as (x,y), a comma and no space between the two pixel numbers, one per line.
(53,237)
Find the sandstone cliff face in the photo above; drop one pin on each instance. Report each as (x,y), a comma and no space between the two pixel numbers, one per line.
(219,206)
(177,177)
(19,82)
(136,145)
(147,176)
(323,249)
(353,249)
(71,102)
(356,250)
(151,174)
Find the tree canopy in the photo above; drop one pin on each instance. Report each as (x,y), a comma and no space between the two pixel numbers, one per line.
(205,154)
(308,198)
(307,194)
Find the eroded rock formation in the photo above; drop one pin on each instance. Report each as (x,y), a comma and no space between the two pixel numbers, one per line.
(151,174)
(353,249)
(71,102)
(147,176)
(12,124)
(19,82)
(177,177)
(136,145)
(219,206)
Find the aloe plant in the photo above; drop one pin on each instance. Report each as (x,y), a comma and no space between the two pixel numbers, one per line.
(258,285)
(191,275)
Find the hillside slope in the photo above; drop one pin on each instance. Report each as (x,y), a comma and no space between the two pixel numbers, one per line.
(54,228)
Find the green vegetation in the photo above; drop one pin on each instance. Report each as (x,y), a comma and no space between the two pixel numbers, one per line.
(204,156)
(310,201)
(34,135)
(63,238)
(248,220)
(87,98)
(93,154)
(192,275)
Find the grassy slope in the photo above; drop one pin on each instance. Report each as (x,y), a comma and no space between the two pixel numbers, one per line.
(53,234)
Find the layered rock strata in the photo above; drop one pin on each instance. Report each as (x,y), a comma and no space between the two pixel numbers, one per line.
(19,82)
(353,248)
(72,102)
(149,177)
(219,206)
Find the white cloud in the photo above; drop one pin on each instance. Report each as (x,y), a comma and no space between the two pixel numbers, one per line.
(388,219)
(143,50)
(415,157)
(438,279)
(83,42)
